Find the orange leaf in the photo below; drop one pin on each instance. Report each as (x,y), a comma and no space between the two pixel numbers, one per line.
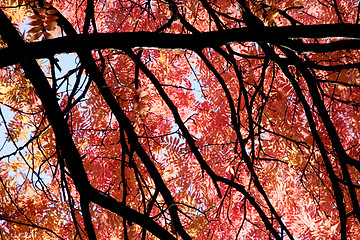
(40,10)
(36,36)
(51,11)
(36,23)
(48,35)
(50,26)
(36,29)
(37,17)
(51,18)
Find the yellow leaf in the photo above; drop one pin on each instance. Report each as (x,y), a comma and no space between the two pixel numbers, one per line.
(3,90)
(162,57)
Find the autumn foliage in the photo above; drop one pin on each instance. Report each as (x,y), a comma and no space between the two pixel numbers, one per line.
(179,119)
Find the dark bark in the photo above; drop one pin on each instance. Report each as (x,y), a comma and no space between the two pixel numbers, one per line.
(277,35)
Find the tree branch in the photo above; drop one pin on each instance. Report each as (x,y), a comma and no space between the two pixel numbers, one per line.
(278,35)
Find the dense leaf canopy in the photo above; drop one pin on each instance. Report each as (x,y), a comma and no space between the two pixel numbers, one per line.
(179,119)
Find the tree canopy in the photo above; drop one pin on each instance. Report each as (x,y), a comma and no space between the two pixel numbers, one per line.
(179,119)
